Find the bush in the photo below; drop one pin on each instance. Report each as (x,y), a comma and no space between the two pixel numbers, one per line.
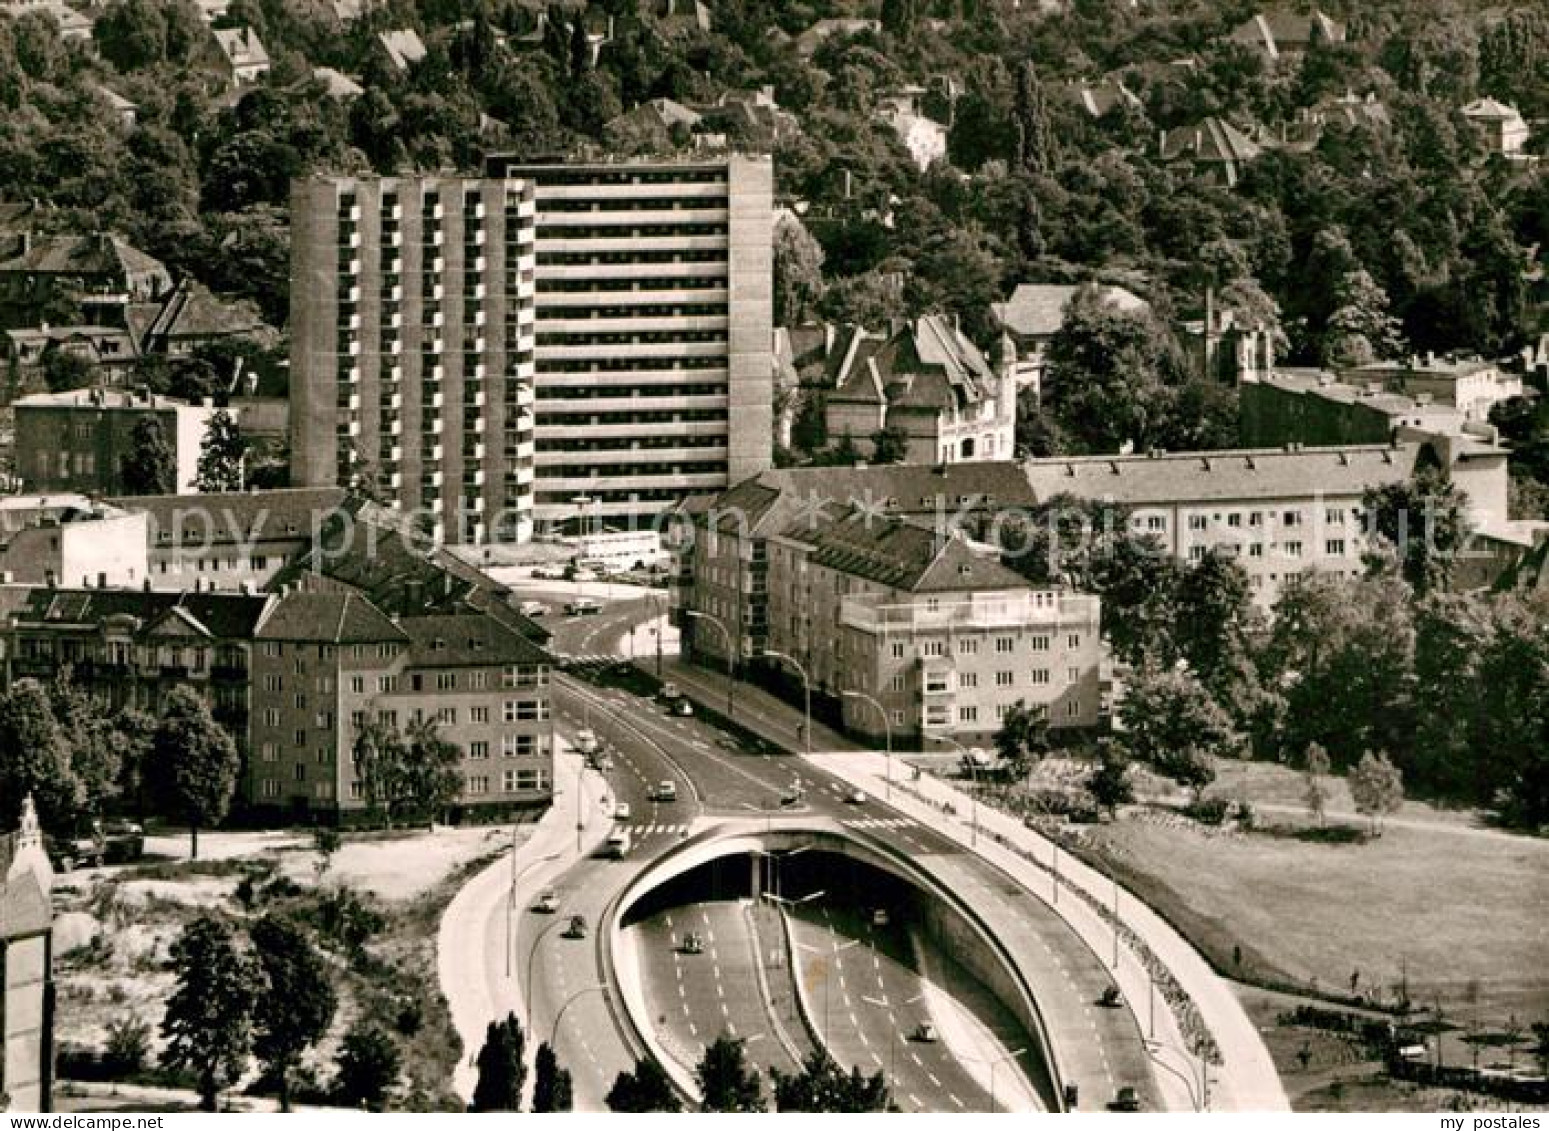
(129,1046)
(1208,810)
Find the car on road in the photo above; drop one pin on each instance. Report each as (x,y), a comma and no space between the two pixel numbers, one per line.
(670,692)
(880,917)
(1125,1099)
(576,573)
(586,740)
(682,708)
(665,791)
(576,928)
(1110,998)
(617,844)
(548,573)
(534,609)
(583,607)
(123,841)
(855,797)
(621,811)
(548,902)
(925,1033)
(692,943)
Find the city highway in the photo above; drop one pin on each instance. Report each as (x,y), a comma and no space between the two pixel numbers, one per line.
(715,778)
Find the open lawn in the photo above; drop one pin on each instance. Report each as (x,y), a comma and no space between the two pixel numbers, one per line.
(1461,916)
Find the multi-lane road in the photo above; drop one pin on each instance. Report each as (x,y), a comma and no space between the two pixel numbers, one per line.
(860,983)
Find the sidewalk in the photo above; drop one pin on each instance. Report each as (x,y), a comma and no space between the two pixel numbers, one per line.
(1246,1079)
(471,960)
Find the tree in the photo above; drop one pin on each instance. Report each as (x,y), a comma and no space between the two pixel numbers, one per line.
(221,455)
(208,1025)
(890,444)
(432,770)
(1171,722)
(1422,523)
(551,1089)
(502,1067)
(148,467)
(645,1089)
(798,272)
(822,1086)
(1377,788)
(1360,329)
(96,745)
(299,1006)
(367,1067)
(1034,139)
(1315,767)
(725,1079)
(65,369)
(196,763)
(35,760)
(1023,739)
(379,755)
(1109,784)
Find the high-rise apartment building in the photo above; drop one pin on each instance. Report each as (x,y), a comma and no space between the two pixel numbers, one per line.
(654,298)
(412,346)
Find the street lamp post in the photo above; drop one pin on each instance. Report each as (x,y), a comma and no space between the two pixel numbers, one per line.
(731,681)
(511,895)
(973,773)
(806,684)
(596,987)
(887,731)
(532,953)
(828,981)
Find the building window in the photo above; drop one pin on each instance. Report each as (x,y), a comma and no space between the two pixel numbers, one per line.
(1073,640)
(525,710)
(967,679)
(967,647)
(477,680)
(300,773)
(1234,519)
(933,648)
(1256,518)
(357,719)
(274,683)
(358,684)
(898,649)
(936,682)
(968,714)
(446,681)
(1198,522)
(898,682)
(1040,675)
(478,750)
(1293,549)
(387,718)
(386,684)
(301,701)
(478,784)
(1040,643)
(301,738)
(1196,553)
(323,791)
(898,718)
(271,716)
(1256,550)
(1291,518)
(1156,522)
(1072,675)
(1335,547)
(357,791)
(1005,644)
(1072,709)
(271,788)
(273,649)
(271,751)
(1005,679)
(446,716)
(478,714)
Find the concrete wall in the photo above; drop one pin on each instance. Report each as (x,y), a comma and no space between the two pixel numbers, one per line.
(750,317)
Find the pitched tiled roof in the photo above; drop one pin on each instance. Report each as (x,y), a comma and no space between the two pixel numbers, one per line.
(1038,309)
(225,616)
(1213,141)
(1140,480)
(403,47)
(927,364)
(1279,31)
(1491,110)
(241,46)
(902,555)
(465,640)
(339,85)
(191,311)
(82,255)
(334,618)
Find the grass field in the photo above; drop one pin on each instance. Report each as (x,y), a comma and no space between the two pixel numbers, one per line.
(1460,914)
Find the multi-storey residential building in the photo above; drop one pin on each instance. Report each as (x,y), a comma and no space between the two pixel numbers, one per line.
(929,382)
(102,273)
(1469,384)
(412,346)
(654,295)
(230,539)
(69,540)
(26,968)
(902,610)
(77,440)
(293,676)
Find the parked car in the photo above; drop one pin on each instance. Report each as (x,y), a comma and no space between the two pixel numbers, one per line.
(548,573)
(682,708)
(855,797)
(1110,998)
(534,609)
(692,943)
(621,811)
(586,740)
(583,607)
(123,842)
(924,1032)
(665,791)
(576,929)
(548,902)
(670,692)
(66,853)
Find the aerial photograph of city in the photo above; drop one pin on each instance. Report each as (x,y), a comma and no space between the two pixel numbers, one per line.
(928,556)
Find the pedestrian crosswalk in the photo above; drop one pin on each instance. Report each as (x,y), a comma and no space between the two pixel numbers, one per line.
(659,829)
(879,823)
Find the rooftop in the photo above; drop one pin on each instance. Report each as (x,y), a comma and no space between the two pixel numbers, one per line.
(927,363)
(467,639)
(1038,309)
(330,617)
(236,516)
(902,555)
(225,616)
(404,47)
(138,400)
(96,254)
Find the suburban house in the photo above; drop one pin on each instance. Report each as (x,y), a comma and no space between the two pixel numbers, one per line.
(403,48)
(823,30)
(1281,34)
(112,349)
(1501,126)
(1101,98)
(926,379)
(1034,314)
(243,58)
(1219,151)
(99,273)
